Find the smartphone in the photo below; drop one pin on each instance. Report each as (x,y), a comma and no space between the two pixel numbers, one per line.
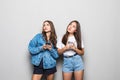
(70,43)
(48,43)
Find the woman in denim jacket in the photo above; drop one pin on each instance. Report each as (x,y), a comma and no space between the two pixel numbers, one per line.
(71,46)
(43,52)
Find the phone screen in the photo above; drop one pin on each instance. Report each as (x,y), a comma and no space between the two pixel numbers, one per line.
(48,44)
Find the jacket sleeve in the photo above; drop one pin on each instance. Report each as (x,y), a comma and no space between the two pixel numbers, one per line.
(54,53)
(33,48)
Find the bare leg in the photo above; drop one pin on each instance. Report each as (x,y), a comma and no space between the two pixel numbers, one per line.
(67,75)
(79,75)
(50,77)
(36,76)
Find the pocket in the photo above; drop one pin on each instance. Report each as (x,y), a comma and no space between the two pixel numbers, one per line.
(67,62)
(78,59)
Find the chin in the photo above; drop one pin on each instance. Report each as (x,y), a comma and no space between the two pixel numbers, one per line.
(69,31)
(47,31)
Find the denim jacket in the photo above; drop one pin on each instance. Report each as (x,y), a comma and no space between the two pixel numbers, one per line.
(38,53)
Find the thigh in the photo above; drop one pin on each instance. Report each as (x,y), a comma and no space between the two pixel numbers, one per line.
(79,75)
(36,76)
(67,75)
(50,77)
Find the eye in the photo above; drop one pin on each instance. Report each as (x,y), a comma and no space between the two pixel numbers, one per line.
(47,24)
(74,26)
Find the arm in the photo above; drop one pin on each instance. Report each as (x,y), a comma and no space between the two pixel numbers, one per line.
(80,52)
(54,53)
(52,50)
(62,50)
(33,48)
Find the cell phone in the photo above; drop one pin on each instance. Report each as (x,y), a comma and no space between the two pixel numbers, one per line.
(48,43)
(70,43)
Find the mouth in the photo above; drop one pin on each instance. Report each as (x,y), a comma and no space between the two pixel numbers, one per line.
(45,29)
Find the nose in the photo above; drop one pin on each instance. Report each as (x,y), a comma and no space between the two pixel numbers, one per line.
(70,27)
(44,27)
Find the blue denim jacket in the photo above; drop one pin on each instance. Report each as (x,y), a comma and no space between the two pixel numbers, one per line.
(38,53)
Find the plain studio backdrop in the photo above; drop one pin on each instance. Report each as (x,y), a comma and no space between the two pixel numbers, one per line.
(20,20)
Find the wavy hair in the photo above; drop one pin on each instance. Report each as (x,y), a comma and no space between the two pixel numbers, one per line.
(53,36)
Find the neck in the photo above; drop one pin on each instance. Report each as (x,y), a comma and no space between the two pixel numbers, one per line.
(48,35)
(70,34)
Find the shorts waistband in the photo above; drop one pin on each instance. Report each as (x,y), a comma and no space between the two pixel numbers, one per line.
(70,56)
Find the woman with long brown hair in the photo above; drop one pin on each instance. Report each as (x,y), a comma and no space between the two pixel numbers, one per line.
(71,46)
(44,52)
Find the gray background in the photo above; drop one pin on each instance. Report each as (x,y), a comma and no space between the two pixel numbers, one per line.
(20,20)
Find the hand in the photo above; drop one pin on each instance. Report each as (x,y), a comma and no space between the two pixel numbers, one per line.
(73,47)
(49,47)
(67,47)
(44,46)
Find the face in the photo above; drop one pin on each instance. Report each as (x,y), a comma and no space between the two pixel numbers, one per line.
(46,27)
(72,28)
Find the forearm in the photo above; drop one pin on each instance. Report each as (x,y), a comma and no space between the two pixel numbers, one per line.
(35,50)
(62,50)
(80,52)
(54,53)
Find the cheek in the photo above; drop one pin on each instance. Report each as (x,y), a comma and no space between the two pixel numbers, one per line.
(73,30)
(49,28)
(43,28)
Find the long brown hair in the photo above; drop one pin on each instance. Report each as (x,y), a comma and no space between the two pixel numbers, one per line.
(77,35)
(53,36)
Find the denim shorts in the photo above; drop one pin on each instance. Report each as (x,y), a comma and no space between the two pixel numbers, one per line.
(72,64)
